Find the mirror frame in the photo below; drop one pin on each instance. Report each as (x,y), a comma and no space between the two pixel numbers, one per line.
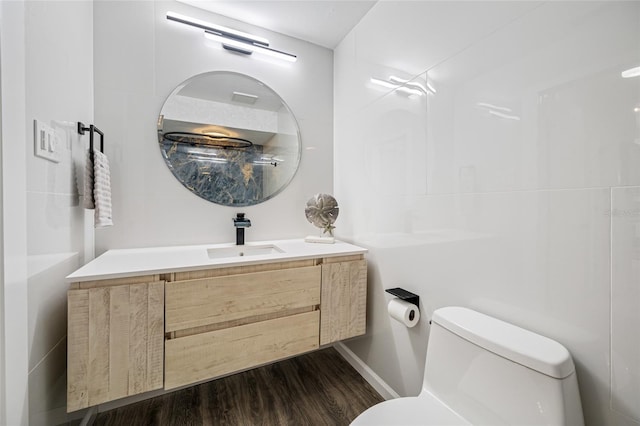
(161,132)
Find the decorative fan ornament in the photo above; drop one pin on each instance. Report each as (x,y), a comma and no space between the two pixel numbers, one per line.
(322,211)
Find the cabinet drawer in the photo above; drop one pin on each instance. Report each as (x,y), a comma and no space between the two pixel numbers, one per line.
(207,355)
(207,301)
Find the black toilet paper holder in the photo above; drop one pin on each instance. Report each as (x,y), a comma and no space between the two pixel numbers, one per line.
(405,295)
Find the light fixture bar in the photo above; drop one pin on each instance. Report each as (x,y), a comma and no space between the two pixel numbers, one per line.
(218,29)
(248,48)
(231,39)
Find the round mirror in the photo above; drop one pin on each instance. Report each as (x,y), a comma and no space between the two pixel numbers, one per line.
(229,138)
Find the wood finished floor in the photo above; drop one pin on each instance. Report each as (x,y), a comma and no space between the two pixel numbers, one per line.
(319,388)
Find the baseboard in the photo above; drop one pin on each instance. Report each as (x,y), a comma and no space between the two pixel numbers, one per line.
(366,372)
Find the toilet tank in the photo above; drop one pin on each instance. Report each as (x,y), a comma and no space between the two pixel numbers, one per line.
(492,372)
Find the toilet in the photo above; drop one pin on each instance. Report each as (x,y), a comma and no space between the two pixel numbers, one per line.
(483,371)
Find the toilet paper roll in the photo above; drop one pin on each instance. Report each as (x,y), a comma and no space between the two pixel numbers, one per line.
(404,312)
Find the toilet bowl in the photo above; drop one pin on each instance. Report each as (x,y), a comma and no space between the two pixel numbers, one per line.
(483,371)
(411,411)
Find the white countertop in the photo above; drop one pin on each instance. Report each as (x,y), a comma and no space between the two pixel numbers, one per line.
(159,260)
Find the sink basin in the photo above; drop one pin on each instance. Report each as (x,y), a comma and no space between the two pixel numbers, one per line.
(237,251)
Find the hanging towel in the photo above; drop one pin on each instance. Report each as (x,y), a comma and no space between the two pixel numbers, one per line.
(101,190)
(87,185)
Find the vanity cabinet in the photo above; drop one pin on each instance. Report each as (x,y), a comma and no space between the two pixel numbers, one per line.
(219,325)
(132,335)
(115,340)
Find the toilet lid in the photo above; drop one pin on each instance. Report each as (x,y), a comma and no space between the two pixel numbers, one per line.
(418,410)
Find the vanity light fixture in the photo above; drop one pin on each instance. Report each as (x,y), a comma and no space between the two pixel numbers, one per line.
(248,48)
(632,72)
(236,41)
(183,19)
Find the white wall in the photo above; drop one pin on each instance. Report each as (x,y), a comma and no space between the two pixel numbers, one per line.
(529,211)
(59,92)
(14,239)
(58,72)
(137,64)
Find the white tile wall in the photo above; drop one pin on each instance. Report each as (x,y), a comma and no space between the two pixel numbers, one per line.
(500,191)
(13,295)
(625,301)
(390,41)
(59,92)
(48,389)
(558,120)
(138,63)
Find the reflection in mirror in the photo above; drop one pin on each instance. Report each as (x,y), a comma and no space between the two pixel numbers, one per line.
(229,138)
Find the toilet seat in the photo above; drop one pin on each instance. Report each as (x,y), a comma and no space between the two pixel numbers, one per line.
(424,410)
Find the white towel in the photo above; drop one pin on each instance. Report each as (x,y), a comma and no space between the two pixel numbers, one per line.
(87,185)
(102,190)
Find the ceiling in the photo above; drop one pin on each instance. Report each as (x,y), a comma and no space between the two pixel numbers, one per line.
(322,22)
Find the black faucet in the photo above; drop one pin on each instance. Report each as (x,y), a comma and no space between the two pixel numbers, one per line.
(240,222)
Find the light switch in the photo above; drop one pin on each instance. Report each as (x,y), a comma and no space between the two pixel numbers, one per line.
(45,141)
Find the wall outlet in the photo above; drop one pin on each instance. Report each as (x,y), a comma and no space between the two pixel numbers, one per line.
(46,142)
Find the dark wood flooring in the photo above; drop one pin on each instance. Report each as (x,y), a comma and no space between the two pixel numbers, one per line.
(319,388)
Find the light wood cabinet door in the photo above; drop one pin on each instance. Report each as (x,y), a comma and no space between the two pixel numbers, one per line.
(343,300)
(115,342)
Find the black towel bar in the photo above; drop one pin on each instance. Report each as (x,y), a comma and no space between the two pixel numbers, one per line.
(92,129)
